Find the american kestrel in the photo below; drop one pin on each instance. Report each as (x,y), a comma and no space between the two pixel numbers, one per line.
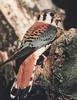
(35,42)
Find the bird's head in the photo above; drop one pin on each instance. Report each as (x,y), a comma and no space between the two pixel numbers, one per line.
(52,17)
(46,16)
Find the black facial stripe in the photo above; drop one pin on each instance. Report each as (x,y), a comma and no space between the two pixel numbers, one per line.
(44,16)
(52,15)
(51,20)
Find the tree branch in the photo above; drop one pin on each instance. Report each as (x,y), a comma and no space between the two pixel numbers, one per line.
(15,16)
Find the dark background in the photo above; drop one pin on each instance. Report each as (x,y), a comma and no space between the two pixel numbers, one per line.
(70,6)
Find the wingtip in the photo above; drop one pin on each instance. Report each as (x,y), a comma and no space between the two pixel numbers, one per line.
(6,62)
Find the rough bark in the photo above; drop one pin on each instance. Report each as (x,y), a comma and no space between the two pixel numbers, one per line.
(13,12)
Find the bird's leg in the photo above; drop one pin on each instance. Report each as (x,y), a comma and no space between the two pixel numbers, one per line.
(41,60)
(45,58)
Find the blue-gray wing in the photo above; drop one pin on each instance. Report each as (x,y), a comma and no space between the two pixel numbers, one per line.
(40,34)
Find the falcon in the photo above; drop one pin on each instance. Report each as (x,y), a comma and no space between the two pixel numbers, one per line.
(35,42)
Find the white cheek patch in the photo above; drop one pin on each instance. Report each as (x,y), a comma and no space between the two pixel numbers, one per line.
(48,18)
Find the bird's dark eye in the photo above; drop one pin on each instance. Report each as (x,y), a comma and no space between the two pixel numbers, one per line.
(51,14)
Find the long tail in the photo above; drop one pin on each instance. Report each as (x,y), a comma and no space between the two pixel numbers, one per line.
(25,76)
